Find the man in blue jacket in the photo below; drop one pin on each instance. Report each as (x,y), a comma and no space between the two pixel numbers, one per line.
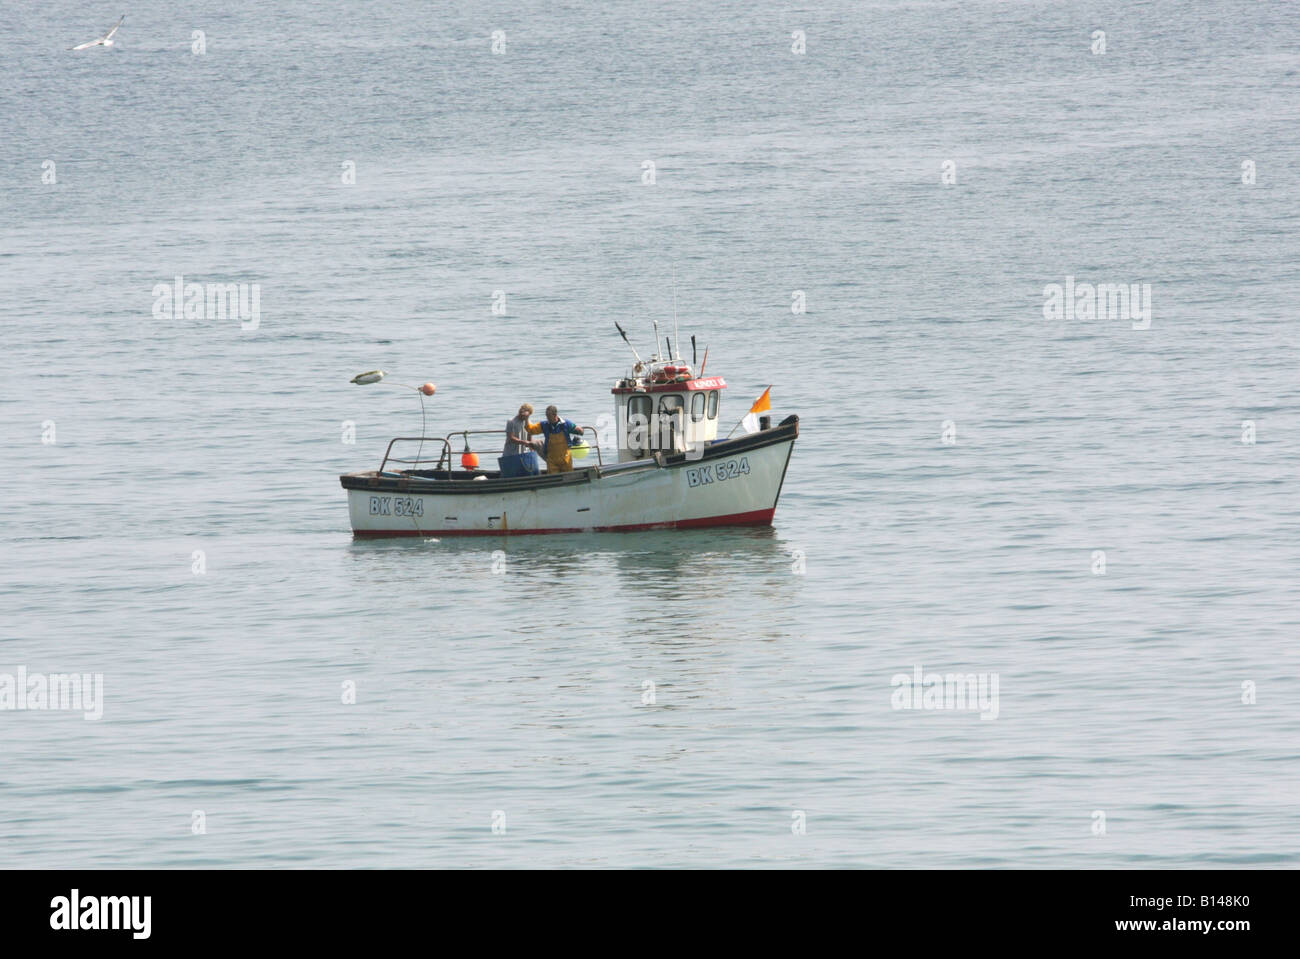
(557,433)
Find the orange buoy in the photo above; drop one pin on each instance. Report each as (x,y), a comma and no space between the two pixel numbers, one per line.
(469,460)
(428,389)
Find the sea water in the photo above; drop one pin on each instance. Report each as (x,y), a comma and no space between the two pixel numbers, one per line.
(1030,596)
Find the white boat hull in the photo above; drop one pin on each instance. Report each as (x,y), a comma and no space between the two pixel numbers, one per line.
(735,483)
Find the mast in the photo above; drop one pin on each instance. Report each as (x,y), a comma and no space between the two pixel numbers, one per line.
(677,353)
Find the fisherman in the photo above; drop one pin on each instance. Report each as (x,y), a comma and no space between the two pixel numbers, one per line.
(517,430)
(557,433)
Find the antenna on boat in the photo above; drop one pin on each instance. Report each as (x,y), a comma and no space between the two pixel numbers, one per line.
(694,356)
(675,353)
(623,333)
(656,325)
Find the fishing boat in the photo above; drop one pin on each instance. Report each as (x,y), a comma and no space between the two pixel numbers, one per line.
(672,470)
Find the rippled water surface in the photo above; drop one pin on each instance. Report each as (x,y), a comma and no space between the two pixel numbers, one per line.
(515,694)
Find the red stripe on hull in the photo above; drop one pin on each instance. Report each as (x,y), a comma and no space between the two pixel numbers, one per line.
(758,517)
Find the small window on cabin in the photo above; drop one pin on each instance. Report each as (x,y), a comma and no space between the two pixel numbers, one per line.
(670,427)
(697,407)
(639,408)
(642,406)
(713,404)
(670,404)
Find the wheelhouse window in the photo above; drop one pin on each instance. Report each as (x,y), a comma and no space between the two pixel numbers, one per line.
(697,407)
(640,405)
(713,404)
(639,408)
(671,409)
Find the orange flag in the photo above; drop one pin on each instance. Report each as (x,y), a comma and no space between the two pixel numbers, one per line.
(763,403)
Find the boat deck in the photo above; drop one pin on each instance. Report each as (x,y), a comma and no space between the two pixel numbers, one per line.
(484,481)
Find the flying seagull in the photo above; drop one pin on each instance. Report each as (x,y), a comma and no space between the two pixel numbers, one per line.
(106,40)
